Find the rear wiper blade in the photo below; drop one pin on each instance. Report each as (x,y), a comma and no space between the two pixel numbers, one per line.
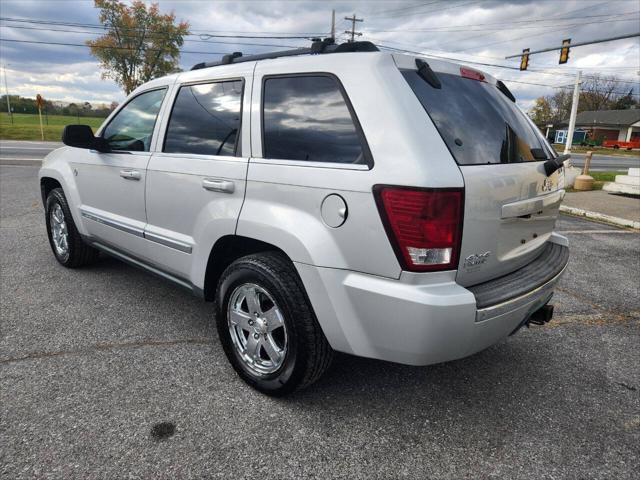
(554,164)
(427,74)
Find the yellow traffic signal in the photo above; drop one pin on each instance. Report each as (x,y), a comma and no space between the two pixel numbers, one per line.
(524,60)
(564,51)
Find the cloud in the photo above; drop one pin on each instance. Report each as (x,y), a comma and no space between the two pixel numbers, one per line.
(482,31)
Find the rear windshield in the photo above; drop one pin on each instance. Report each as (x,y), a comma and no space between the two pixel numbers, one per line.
(477,121)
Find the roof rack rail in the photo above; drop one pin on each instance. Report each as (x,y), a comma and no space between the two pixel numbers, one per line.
(318,46)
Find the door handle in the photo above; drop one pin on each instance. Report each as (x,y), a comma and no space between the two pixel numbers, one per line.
(130,174)
(215,185)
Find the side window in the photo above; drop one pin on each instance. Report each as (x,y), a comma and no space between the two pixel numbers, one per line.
(131,129)
(305,117)
(205,119)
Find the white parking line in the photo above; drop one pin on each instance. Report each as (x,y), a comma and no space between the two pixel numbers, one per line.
(20,158)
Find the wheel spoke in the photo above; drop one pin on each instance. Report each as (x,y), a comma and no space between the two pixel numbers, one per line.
(57,214)
(272,349)
(252,348)
(273,318)
(240,318)
(253,302)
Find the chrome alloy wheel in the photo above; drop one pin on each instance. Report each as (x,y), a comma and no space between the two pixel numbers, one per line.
(59,231)
(257,329)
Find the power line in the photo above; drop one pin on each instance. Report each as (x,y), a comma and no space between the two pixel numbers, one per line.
(565,87)
(105,27)
(438,10)
(443,57)
(151,37)
(111,48)
(381,12)
(501,25)
(537,35)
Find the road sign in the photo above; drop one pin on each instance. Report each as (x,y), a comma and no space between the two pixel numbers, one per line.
(40,104)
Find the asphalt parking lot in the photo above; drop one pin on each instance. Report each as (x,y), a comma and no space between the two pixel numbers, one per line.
(92,359)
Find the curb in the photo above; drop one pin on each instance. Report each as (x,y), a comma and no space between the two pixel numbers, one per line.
(620,222)
(25,163)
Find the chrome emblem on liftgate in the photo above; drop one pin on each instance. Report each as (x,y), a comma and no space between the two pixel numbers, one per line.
(476,260)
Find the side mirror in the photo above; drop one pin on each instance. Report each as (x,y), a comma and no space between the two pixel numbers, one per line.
(81,136)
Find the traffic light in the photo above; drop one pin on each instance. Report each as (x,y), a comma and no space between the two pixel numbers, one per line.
(524,60)
(564,51)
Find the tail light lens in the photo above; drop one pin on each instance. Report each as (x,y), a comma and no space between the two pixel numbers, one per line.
(423,225)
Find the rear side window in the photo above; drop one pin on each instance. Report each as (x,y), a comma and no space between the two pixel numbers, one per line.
(306,117)
(205,119)
(479,124)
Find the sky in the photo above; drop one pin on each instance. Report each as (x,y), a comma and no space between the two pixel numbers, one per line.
(480,31)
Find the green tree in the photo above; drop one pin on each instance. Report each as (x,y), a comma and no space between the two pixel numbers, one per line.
(542,112)
(140,43)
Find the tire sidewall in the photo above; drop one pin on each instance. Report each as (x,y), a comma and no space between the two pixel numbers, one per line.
(56,197)
(290,373)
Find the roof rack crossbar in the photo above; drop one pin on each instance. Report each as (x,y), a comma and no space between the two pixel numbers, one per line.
(317,47)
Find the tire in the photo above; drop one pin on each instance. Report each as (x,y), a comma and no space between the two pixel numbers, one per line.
(77,253)
(616,147)
(304,353)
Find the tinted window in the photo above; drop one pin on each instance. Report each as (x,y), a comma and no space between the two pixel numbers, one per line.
(131,129)
(205,119)
(306,118)
(478,122)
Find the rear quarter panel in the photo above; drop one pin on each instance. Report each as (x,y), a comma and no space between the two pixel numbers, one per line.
(283,198)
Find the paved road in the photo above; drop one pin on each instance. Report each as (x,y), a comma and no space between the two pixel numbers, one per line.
(14,152)
(607,162)
(92,359)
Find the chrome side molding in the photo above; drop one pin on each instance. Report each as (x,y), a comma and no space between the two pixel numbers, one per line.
(138,232)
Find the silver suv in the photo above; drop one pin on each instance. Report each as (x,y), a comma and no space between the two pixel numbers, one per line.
(331,199)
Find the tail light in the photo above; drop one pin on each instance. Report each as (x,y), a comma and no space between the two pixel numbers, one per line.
(423,225)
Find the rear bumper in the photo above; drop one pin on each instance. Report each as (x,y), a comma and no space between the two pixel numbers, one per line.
(423,319)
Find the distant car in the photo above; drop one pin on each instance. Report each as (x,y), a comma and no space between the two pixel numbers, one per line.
(353,201)
(617,144)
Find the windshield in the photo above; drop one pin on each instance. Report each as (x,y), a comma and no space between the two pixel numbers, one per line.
(479,124)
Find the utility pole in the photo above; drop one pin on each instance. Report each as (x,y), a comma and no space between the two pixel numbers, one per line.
(353,21)
(574,112)
(6,91)
(333,23)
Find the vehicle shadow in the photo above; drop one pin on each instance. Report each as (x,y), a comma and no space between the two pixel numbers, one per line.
(505,383)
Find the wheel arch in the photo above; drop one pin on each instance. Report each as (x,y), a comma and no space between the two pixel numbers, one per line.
(224,252)
(46,185)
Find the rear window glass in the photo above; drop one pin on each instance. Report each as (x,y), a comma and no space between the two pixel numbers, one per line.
(478,123)
(305,117)
(206,119)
